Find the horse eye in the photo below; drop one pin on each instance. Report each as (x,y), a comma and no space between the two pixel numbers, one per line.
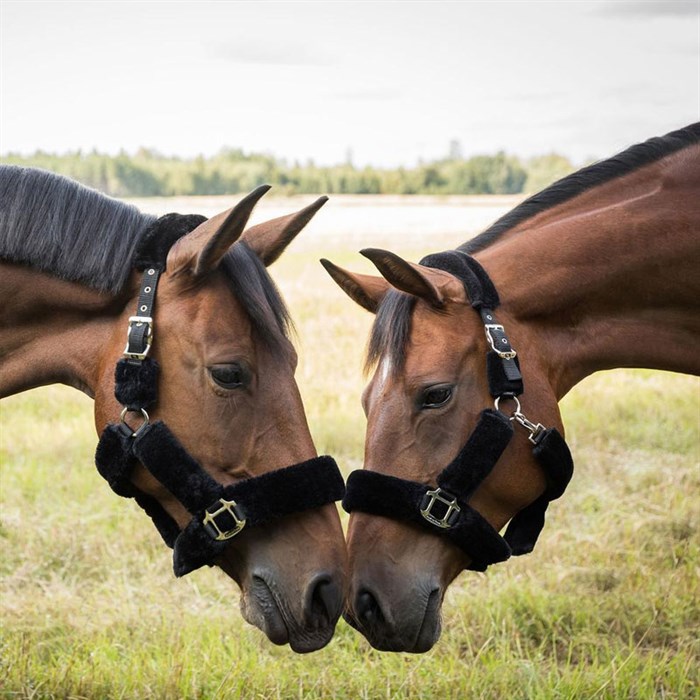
(436,396)
(227,376)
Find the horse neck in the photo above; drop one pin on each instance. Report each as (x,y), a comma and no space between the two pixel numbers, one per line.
(52,331)
(609,279)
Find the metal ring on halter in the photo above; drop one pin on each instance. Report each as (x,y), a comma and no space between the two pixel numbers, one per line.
(144,415)
(514,398)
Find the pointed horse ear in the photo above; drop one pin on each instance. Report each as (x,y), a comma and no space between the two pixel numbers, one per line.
(201,250)
(270,238)
(434,286)
(366,290)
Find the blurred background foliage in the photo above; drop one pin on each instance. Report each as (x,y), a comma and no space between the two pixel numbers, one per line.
(148,173)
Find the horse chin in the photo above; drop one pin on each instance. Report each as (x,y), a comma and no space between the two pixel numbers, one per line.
(264,608)
(431,627)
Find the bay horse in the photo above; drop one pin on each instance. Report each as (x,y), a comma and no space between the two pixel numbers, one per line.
(600,270)
(203,394)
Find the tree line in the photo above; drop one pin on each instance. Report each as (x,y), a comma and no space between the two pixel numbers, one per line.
(148,173)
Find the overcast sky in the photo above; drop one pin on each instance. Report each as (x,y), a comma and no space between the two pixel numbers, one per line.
(392,81)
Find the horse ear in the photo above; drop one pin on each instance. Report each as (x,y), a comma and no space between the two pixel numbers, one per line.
(404,275)
(201,250)
(367,290)
(269,239)
(434,286)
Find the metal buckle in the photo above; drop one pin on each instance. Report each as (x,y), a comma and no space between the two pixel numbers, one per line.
(504,355)
(139,321)
(212,528)
(440,496)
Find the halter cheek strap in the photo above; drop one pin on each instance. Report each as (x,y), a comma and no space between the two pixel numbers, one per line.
(218,512)
(443,510)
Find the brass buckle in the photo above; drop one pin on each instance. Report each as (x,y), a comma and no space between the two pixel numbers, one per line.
(439,496)
(212,528)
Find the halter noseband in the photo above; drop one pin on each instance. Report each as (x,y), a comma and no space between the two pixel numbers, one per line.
(218,512)
(443,510)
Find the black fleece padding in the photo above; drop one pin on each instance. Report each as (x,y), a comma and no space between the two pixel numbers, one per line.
(261,500)
(499,383)
(477,458)
(161,453)
(194,548)
(136,383)
(525,527)
(400,499)
(166,526)
(272,495)
(304,486)
(114,460)
(477,283)
(554,457)
(159,237)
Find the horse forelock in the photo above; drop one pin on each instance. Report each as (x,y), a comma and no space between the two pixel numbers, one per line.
(390,331)
(256,291)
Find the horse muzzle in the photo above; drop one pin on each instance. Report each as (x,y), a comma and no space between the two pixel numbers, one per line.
(408,620)
(311,627)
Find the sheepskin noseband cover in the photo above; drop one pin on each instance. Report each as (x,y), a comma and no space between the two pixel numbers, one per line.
(218,512)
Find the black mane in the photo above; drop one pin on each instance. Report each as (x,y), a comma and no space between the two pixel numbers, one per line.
(53,224)
(597,174)
(391,328)
(60,227)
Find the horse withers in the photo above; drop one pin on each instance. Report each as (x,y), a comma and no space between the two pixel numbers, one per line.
(203,415)
(473,349)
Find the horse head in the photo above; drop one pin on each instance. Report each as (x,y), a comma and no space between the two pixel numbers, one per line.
(426,398)
(226,391)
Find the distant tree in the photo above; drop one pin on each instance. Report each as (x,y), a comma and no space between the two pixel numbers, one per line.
(544,170)
(231,171)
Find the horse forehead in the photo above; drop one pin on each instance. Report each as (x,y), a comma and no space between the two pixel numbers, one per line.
(441,338)
(210,308)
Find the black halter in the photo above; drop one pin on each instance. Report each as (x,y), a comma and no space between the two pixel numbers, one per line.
(219,512)
(443,510)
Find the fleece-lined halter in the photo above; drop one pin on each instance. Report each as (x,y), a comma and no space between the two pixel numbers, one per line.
(443,509)
(218,512)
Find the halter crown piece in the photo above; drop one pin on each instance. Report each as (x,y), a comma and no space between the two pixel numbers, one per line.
(218,512)
(443,509)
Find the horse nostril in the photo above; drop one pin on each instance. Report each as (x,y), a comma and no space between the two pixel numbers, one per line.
(324,601)
(367,609)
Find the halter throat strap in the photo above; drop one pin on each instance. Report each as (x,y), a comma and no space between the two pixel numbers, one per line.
(218,512)
(444,510)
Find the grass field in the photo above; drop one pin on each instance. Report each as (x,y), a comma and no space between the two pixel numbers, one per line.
(608,606)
